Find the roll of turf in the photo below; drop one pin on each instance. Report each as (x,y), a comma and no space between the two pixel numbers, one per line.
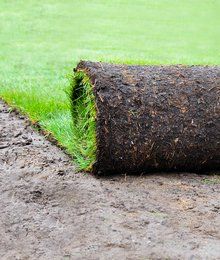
(136,119)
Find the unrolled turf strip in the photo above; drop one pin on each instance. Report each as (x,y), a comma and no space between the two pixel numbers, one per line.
(155,118)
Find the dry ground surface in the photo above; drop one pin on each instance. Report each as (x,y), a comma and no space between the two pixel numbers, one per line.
(50,212)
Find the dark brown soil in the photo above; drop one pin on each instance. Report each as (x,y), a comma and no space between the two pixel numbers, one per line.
(50,212)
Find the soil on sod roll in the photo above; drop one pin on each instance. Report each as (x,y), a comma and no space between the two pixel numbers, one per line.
(138,119)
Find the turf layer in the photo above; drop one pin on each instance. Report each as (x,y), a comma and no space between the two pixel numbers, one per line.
(41,41)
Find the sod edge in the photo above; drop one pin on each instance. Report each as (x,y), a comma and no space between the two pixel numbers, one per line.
(84,112)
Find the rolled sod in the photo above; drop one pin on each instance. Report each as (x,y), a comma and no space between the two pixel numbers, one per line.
(136,119)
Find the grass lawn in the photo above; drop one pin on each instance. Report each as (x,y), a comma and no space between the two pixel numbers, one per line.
(41,41)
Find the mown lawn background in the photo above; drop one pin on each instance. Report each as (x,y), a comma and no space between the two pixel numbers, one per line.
(41,41)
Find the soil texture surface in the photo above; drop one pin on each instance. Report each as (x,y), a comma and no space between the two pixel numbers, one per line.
(48,211)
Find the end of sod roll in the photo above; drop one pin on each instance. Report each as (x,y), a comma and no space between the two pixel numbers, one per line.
(84,120)
(136,119)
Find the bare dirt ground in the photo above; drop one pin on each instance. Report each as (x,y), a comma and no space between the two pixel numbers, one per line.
(50,212)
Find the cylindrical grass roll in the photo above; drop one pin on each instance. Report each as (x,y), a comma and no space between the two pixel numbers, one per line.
(136,119)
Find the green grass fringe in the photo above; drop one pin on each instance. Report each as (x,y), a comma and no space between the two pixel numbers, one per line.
(84,121)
